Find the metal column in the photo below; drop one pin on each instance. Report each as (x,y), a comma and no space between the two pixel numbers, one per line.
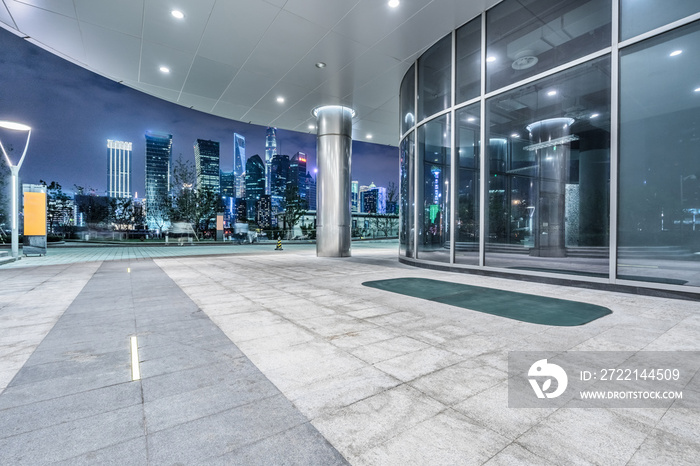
(333,185)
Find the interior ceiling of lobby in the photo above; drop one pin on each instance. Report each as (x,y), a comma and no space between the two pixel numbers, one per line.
(235,58)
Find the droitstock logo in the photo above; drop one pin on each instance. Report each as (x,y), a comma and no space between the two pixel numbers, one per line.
(541,369)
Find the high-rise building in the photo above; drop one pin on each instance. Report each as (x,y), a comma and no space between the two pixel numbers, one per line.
(297,174)
(263,211)
(227,184)
(355,196)
(279,174)
(119,168)
(158,155)
(206,161)
(239,165)
(311,191)
(254,183)
(270,151)
(364,188)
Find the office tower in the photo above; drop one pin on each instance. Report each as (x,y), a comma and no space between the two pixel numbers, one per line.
(263,211)
(355,196)
(363,189)
(241,212)
(297,174)
(227,184)
(158,155)
(206,161)
(239,165)
(279,174)
(311,191)
(119,167)
(270,151)
(254,183)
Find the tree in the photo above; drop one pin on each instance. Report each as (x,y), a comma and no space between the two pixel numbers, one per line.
(59,209)
(198,207)
(95,209)
(388,222)
(122,213)
(294,210)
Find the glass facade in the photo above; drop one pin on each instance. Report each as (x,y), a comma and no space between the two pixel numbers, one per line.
(578,160)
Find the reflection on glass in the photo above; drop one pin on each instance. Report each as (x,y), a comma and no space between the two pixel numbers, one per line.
(640,16)
(524,38)
(549,172)
(407,201)
(408,96)
(659,192)
(434,78)
(434,190)
(467,183)
(469,60)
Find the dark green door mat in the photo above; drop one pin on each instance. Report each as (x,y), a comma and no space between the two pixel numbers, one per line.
(518,306)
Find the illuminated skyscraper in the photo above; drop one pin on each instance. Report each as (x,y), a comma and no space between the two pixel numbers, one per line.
(227,182)
(206,161)
(355,196)
(239,164)
(158,155)
(311,191)
(254,183)
(119,166)
(297,173)
(270,151)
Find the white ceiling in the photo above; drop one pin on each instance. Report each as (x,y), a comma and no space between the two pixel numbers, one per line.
(233,58)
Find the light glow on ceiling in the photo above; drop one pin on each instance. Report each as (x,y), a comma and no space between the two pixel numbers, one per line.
(177,14)
(320,65)
(491,59)
(675,53)
(280,99)
(369,136)
(393,3)
(164,69)
(595,115)
(697,90)
(470,119)
(552,93)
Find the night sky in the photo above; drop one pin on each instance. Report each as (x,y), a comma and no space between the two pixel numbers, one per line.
(73,112)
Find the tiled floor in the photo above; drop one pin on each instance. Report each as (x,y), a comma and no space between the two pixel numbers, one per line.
(389,379)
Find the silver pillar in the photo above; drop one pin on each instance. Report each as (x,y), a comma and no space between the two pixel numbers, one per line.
(333,152)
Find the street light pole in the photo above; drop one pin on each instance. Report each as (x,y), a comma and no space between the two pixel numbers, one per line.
(14,170)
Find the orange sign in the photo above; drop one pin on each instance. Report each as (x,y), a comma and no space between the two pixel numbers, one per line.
(35,214)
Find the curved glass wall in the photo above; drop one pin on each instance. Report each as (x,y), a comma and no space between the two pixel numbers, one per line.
(549,173)
(527,37)
(467,182)
(434,190)
(659,219)
(578,159)
(406,196)
(435,78)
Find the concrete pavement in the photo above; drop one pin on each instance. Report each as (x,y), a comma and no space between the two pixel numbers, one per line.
(349,373)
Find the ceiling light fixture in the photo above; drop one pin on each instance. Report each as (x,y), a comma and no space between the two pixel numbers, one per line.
(470,119)
(164,69)
(369,136)
(177,14)
(515,135)
(312,126)
(491,59)
(595,115)
(280,99)
(320,65)
(697,90)
(552,93)
(393,3)
(675,52)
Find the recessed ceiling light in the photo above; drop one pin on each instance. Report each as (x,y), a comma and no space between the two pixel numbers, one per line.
(177,14)
(697,90)
(515,135)
(552,93)
(471,119)
(491,59)
(675,52)
(393,3)
(280,99)
(595,115)
(369,136)
(320,65)
(164,69)
(312,126)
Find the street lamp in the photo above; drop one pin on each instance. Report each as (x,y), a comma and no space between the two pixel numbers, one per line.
(14,170)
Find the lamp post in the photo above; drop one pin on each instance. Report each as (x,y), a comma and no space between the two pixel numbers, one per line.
(14,170)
